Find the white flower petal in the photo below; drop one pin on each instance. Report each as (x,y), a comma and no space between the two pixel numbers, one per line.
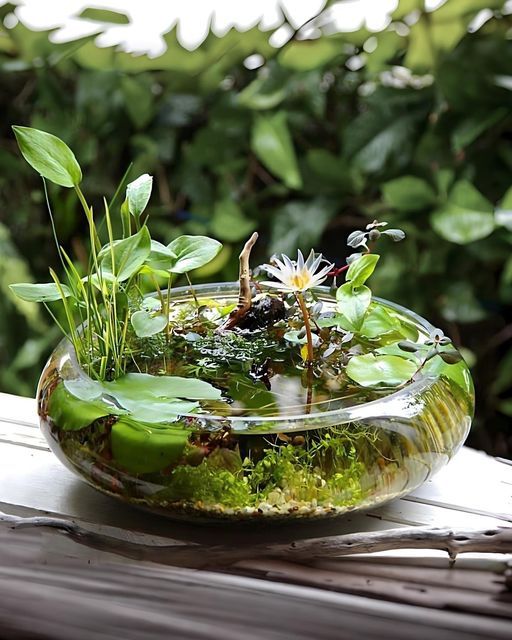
(289,264)
(276,285)
(300,260)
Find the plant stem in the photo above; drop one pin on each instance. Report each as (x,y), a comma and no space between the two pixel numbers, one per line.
(192,290)
(307,324)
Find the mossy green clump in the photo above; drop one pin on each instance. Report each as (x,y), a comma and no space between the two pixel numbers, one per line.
(325,472)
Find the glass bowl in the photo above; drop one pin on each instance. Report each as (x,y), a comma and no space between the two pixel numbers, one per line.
(282,465)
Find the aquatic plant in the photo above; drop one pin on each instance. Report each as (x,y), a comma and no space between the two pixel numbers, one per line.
(141,396)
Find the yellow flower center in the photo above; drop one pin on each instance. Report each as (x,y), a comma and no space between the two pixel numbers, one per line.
(300,280)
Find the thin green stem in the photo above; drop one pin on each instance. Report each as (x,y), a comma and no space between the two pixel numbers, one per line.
(192,290)
(168,308)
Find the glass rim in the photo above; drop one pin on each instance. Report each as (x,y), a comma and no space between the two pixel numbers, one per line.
(392,404)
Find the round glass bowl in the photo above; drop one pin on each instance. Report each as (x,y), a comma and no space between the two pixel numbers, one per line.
(326,460)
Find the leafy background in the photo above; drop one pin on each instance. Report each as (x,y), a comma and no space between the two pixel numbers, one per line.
(412,125)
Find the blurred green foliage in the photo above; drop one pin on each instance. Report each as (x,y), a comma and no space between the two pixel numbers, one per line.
(412,125)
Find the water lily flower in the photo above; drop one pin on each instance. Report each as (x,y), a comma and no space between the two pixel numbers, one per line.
(298,275)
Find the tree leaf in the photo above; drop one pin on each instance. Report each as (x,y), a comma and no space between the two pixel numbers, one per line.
(272,143)
(145,324)
(353,302)
(361,269)
(138,194)
(471,128)
(304,55)
(192,252)
(48,292)
(382,370)
(503,213)
(104,15)
(421,55)
(467,216)
(229,223)
(128,256)
(49,156)
(408,193)
(300,224)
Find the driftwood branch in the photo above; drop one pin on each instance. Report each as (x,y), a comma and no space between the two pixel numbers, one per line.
(453,541)
(244,278)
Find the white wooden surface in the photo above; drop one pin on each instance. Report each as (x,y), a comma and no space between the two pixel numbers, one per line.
(473,491)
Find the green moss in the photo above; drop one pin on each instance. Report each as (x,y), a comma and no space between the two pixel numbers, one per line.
(325,471)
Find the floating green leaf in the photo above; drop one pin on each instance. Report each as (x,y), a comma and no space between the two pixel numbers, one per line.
(71,413)
(49,156)
(152,399)
(384,370)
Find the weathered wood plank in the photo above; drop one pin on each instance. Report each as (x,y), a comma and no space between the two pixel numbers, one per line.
(59,596)
(398,590)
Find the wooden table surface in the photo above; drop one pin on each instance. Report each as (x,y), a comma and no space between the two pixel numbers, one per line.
(115,578)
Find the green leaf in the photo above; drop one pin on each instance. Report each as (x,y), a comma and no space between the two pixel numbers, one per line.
(138,194)
(157,411)
(305,55)
(146,387)
(421,54)
(160,258)
(379,322)
(229,223)
(503,213)
(408,193)
(264,92)
(362,268)
(469,129)
(49,156)
(405,7)
(128,256)
(467,216)
(152,399)
(142,447)
(71,413)
(146,324)
(383,370)
(104,15)
(39,292)
(353,303)
(272,143)
(300,224)
(192,252)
